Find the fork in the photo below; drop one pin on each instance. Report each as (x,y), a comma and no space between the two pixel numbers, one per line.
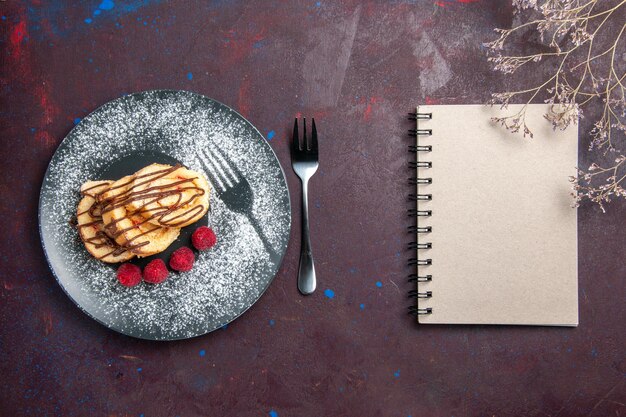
(305,160)
(233,188)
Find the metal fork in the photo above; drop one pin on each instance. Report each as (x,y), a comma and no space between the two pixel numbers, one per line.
(233,188)
(305,160)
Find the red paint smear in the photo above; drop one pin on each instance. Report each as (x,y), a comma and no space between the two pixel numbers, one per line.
(298,115)
(15,38)
(17,50)
(48,112)
(368,112)
(440,4)
(368,109)
(430,100)
(42,103)
(48,109)
(243,101)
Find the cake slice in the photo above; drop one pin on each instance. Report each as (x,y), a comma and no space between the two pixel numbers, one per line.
(132,230)
(169,196)
(91,227)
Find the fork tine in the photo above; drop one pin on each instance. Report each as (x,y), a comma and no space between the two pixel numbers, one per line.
(214,183)
(232,168)
(305,139)
(313,136)
(210,171)
(295,140)
(220,167)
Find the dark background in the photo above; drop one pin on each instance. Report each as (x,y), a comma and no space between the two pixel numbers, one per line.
(357,67)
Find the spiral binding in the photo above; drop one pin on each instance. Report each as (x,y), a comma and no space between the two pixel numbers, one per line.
(416,278)
(415,181)
(420,116)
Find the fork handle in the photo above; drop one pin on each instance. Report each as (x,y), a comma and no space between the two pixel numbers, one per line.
(306,272)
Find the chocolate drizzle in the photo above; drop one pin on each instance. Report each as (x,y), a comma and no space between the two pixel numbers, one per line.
(144,213)
(100,239)
(93,187)
(153,195)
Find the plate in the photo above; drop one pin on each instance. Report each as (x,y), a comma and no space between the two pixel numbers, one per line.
(168,127)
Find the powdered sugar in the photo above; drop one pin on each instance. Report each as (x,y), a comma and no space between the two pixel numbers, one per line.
(225,280)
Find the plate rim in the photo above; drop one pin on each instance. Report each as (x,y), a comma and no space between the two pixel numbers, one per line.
(279,264)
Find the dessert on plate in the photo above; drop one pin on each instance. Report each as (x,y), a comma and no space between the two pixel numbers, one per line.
(140,214)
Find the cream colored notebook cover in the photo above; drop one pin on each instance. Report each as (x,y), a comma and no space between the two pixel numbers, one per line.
(496,230)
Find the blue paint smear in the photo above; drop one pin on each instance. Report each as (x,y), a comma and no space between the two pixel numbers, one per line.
(55,15)
(594,353)
(202,353)
(77,120)
(133,6)
(379,284)
(362,306)
(353,270)
(138,369)
(273,413)
(329,293)
(270,135)
(4,18)
(397,374)
(106,5)
(190,76)
(272,322)
(33,129)
(318,4)
(224,327)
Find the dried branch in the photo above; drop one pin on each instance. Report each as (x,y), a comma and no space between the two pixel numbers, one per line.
(586,48)
(586,184)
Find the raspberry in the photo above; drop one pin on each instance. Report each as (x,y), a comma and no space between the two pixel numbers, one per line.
(203,238)
(155,272)
(182,259)
(129,275)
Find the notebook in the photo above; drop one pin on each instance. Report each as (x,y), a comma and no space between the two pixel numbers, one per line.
(496,231)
